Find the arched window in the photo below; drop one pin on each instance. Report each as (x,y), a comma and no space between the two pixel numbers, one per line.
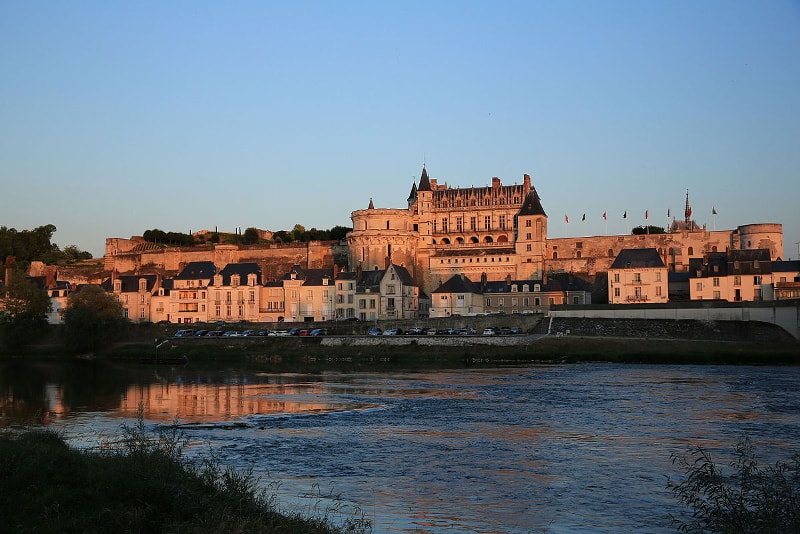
(488,239)
(555,255)
(502,239)
(714,248)
(474,239)
(578,254)
(445,241)
(691,251)
(460,240)
(611,253)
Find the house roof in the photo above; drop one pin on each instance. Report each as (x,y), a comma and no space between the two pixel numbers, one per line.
(790,266)
(198,270)
(243,270)
(310,277)
(405,276)
(637,258)
(130,283)
(532,205)
(458,283)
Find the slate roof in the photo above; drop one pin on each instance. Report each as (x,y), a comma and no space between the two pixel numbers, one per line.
(786,266)
(637,258)
(458,283)
(532,205)
(310,277)
(243,270)
(413,194)
(733,262)
(424,181)
(405,276)
(572,283)
(130,283)
(198,270)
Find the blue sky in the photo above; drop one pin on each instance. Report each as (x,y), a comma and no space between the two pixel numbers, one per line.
(118,117)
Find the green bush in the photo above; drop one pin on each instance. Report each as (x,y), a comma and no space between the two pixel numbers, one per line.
(140,483)
(746,498)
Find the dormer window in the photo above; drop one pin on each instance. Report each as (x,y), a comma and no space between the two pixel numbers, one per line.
(142,284)
(235,280)
(117,286)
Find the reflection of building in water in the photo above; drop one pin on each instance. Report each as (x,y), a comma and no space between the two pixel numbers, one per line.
(219,402)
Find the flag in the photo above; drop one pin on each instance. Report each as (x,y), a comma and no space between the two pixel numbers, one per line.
(667,213)
(584,217)
(566,219)
(713,210)
(604,216)
(625,215)
(645,215)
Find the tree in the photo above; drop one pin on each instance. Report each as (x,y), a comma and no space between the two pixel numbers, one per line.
(251,236)
(92,319)
(641,230)
(24,316)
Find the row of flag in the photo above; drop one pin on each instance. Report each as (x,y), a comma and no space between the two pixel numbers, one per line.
(646,214)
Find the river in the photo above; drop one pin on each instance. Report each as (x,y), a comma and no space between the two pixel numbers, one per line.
(557,448)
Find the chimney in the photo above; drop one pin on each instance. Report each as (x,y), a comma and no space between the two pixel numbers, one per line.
(526,182)
(495,183)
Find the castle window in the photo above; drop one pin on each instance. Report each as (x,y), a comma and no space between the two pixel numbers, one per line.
(487,222)
(555,255)
(578,254)
(502,222)
(611,253)
(528,224)
(528,247)
(527,236)
(387,225)
(691,251)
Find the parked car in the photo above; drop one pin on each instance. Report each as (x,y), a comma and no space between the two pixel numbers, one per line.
(375,331)
(248,333)
(201,333)
(489,332)
(214,333)
(516,330)
(184,333)
(231,333)
(317,332)
(390,332)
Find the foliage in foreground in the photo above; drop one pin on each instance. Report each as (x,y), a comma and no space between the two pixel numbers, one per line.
(23,312)
(748,498)
(92,319)
(141,484)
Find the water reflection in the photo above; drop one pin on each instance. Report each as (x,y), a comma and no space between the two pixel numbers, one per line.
(577,448)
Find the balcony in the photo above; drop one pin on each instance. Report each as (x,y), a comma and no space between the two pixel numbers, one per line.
(637,298)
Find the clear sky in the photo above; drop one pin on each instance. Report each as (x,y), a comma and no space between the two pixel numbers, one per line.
(118,117)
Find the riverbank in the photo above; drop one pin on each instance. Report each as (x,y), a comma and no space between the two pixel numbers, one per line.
(142,485)
(673,342)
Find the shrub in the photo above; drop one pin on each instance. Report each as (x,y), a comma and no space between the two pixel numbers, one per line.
(747,498)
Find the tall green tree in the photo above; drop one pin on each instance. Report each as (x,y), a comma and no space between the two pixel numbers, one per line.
(251,236)
(24,312)
(92,319)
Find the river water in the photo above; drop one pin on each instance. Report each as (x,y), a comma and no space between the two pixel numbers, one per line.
(557,448)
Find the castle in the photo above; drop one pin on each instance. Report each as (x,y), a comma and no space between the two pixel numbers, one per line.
(499,232)
(489,233)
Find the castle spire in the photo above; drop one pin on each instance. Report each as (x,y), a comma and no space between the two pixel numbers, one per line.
(371,205)
(424,181)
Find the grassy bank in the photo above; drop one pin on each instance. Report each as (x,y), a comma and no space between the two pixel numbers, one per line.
(142,485)
(295,353)
(308,352)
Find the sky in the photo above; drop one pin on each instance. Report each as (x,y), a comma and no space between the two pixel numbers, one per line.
(119,117)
